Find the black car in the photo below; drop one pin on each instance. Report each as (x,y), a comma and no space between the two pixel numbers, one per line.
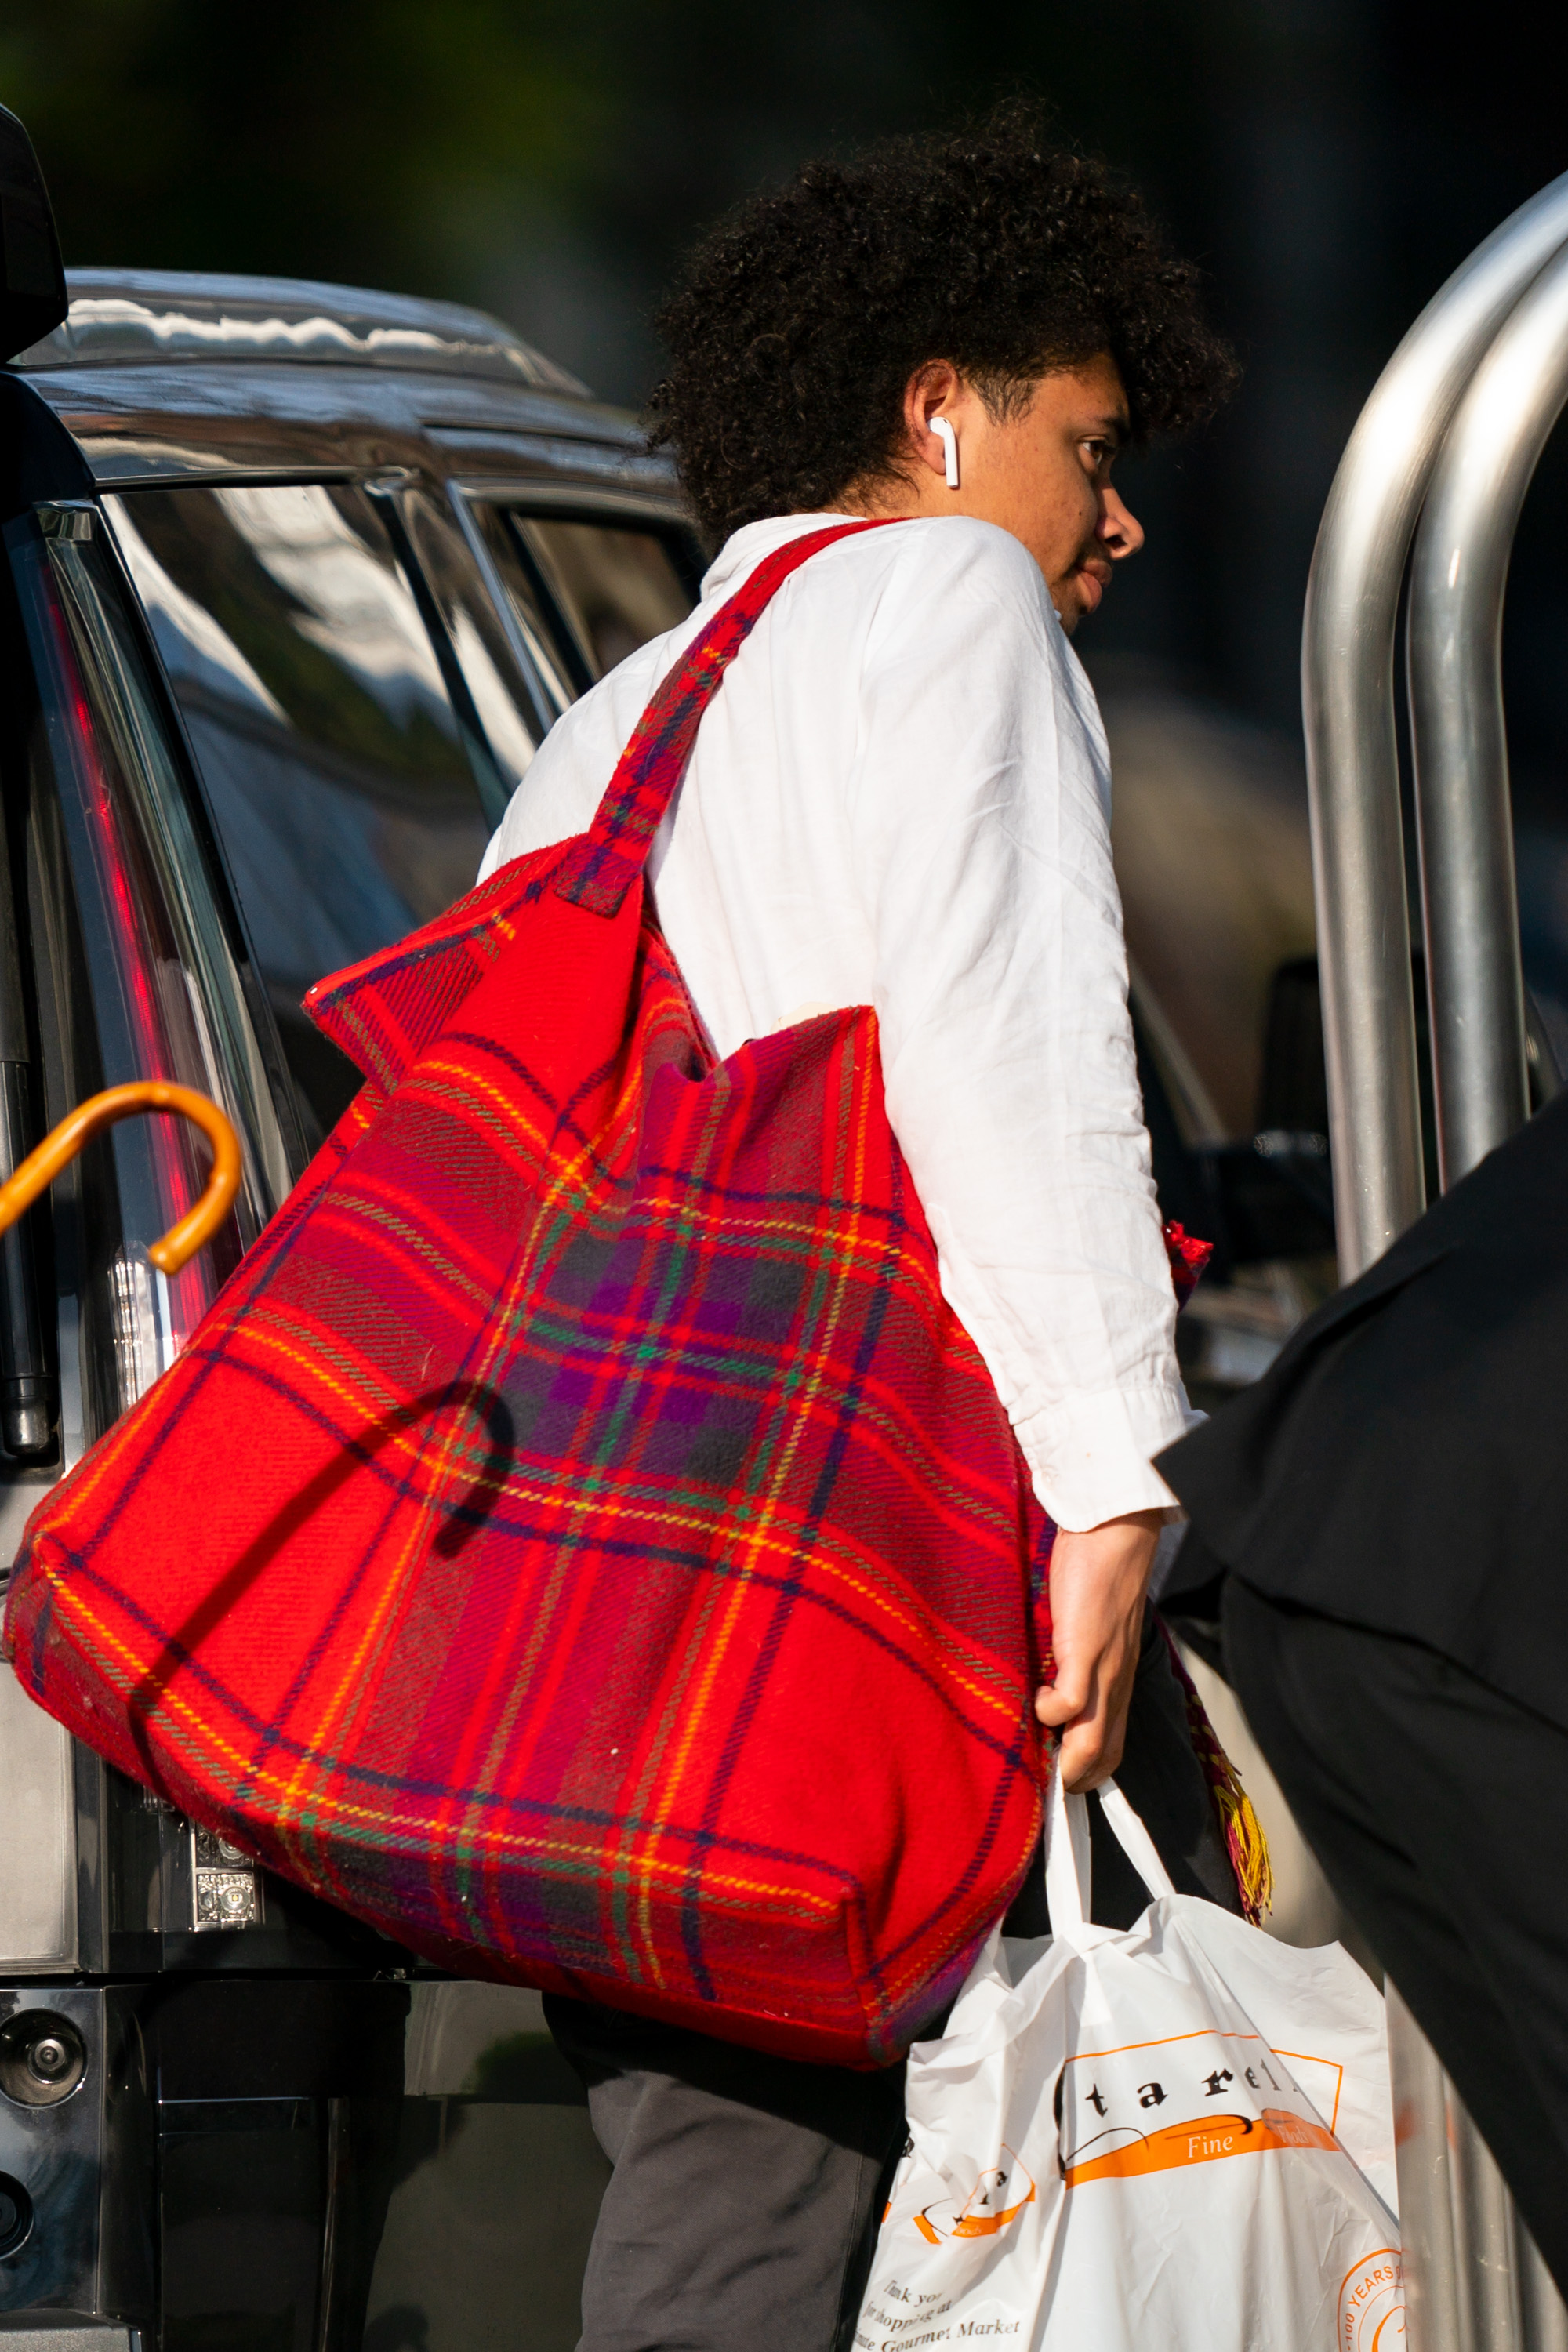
(298,578)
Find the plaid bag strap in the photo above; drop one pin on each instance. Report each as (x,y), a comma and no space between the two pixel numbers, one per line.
(615,849)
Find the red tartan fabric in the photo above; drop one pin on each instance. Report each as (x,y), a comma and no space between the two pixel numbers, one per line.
(581,1540)
(1187,1256)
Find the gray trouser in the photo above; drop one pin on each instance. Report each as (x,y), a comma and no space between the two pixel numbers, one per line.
(741,2212)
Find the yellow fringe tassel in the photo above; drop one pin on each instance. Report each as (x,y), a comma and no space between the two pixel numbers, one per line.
(1245,1844)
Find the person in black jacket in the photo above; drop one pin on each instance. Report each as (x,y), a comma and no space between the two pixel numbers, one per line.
(1388,1511)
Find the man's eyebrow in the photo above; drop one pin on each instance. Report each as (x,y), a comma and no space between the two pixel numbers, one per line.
(1118,424)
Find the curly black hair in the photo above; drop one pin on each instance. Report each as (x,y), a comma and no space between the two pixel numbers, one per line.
(802,318)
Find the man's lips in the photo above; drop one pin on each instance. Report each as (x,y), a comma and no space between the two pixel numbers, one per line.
(1092,583)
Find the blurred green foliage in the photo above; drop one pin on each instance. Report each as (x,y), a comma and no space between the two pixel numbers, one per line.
(411,142)
(1327,162)
(445,146)
(375,140)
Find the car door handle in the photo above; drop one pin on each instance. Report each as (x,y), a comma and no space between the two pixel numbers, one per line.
(62,1143)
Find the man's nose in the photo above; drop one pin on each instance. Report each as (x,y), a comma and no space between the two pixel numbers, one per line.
(1120,530)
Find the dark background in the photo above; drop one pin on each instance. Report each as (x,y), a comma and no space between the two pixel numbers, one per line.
(1329,162)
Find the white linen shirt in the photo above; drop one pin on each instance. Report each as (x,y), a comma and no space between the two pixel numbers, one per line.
(901,797)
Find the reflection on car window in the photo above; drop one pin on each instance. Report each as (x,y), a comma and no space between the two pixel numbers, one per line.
(615,588)
(553,663)
(612,588)
(331,755)
(478,640)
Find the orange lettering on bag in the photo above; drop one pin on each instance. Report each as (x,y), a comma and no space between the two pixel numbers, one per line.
(1218,2136)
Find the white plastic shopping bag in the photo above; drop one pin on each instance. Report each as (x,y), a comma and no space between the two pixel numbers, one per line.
(1176,2139)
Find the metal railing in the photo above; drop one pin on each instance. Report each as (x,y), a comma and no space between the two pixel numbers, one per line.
(1455,426)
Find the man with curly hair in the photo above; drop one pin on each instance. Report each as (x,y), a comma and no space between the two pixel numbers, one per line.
(901,799)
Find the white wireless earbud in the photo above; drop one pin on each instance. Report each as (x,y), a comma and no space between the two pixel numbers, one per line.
(939,425)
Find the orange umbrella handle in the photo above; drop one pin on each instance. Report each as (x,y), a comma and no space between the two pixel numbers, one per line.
(60,1147)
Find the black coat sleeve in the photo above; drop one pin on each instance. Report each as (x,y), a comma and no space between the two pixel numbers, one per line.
(1404,1464)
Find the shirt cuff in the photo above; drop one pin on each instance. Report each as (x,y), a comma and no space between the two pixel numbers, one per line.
(1090,1456)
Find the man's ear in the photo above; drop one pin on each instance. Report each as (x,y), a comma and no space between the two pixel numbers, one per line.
(932,391)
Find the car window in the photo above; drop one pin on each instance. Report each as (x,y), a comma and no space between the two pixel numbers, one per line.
(595,590)
(546,646)
(491,679)
(333,763)
(137,978)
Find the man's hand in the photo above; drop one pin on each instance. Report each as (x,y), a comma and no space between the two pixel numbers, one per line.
(1097,1581)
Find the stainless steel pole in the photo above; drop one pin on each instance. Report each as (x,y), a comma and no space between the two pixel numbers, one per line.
(1433,2312)
(1364,945)
(1474,2279)
(1458,580)
(1503,2294)
(1352,763)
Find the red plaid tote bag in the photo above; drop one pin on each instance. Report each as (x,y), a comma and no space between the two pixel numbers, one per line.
(581,1540)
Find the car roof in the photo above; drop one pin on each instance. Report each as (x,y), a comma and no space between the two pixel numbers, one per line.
(165,375)
(121,317)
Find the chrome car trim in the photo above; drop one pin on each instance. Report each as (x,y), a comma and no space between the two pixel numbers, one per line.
(144,473)
(38,1822)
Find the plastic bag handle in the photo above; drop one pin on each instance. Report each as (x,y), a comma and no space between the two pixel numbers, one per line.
(1068,1851)
(1067,1857)
(1135,1841)
(62,1143)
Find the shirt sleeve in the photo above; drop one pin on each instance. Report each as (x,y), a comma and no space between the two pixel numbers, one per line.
(979,807)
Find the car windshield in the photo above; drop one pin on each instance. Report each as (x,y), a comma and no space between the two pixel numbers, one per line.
(333,763)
